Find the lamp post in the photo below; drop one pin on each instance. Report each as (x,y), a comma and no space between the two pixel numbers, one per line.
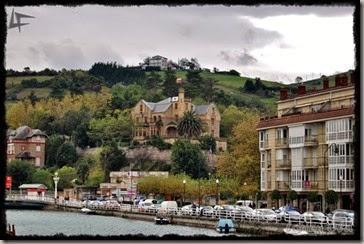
(217,191)
(184,191)
(55,179)
(341,193)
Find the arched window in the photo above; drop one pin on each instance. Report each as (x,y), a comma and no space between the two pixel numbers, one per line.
(141,107)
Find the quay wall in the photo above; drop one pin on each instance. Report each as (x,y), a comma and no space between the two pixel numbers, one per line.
(193,221)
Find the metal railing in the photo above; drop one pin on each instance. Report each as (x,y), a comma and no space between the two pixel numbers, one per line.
(281,142)
(326,224)
(341,159)
(344,135)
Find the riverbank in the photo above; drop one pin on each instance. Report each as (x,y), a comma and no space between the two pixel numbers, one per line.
(192,221)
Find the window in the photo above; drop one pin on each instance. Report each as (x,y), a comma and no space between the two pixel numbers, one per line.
(154,118)
(176,106)
(22,148)
(145,119)
(213,121)
(176,117)
(37,148)
(141,108)
(37,162)
(212,132)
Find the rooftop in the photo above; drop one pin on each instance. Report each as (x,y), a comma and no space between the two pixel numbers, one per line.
(24,132)
(268,122)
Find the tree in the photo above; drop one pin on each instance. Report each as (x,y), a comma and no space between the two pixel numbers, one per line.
(67,175)
(209,89)
(331,197)
(240,162)
(189,125)
(32,97)
(112,159)
(292,195)
(153,80)
(170,87)
(187,158)
(21,172)
(53,142)
(194,83)
(276,195)
(231,116)
(208,142)
(43,176)
(298,79)
(66,155)
(249,86)
(313,196)
(124,97)
(83,166)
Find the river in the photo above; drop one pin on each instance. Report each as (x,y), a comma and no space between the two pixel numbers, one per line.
(44,223)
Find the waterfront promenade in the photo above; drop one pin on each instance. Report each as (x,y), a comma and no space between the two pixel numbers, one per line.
(245,223)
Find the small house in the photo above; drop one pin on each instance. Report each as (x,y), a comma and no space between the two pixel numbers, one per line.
(37,190)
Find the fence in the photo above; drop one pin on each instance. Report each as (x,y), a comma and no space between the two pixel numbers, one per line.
(313,223)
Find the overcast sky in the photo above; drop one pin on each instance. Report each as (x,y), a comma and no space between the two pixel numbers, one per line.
(272,42)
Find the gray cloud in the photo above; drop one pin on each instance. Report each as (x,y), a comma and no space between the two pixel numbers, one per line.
(238,58)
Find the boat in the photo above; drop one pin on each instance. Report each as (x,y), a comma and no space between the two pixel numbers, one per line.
(161,220)
(225,226)
(295,232)
(87,211)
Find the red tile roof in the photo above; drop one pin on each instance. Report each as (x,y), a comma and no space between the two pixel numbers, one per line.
(306,117)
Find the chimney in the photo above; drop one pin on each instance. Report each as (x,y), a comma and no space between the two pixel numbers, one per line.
(283,94)
(325,83)
(301,90)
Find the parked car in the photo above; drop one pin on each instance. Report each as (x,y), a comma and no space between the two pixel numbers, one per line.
(265,214)
(314,217)
(289,216)
(341,218)
(168,207)
(190,209)
(244,212)
(206,210)
(245,203)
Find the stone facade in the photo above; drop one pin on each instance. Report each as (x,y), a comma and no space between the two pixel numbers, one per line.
(161,118)
(308,146)
(28,144)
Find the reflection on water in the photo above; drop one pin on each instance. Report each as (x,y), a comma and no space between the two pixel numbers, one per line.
(35,222)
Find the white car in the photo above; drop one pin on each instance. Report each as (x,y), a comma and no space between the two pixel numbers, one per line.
(342,218)
(265,214)
(289,216)
(189,210)
(314,217)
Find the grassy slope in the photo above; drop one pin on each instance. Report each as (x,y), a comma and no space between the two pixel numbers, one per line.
(14,81)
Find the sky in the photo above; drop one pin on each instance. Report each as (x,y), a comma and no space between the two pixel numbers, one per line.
(273,42)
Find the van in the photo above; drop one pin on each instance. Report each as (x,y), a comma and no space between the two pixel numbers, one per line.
(168,207)
(244,203)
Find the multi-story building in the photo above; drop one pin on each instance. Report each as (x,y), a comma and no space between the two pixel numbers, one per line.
(156,62)
(161,118)
(308,146)
(28,144)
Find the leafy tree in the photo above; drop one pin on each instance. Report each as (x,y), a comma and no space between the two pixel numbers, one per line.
(67,175)
(331,197)
(80,136)
(126,96)
(194,83)
(208,142)
(313,196)
(83,166)
(96,177)
(66,154)
(74,118)
(240,162)
(170,87)
(43,176)
(53,142)
(292,195)
(276,195)
(189,125)
(187,158)
(153,80)
(158,142)
(231,116)
(117,128)
(32,97)
(249,86)
(209,89)
(112,159)
(21,172)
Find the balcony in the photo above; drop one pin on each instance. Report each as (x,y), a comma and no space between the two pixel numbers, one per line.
(282,185)
(337,136)
(283,163)
(312,162)
(281,142)
(311,140)
(263,145)
(341,160)
(344,185)
(304,185)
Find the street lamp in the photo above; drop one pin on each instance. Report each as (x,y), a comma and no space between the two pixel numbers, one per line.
(55,179)
(217,191)
(341,194)
(184,191)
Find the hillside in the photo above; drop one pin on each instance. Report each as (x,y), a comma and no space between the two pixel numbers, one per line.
(231,85)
